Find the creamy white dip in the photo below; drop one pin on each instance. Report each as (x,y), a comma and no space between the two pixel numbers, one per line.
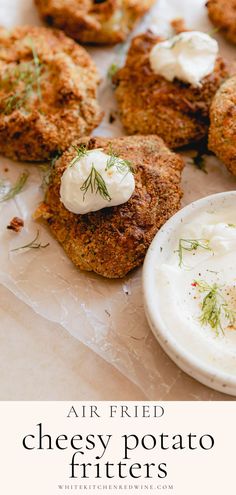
(182,275)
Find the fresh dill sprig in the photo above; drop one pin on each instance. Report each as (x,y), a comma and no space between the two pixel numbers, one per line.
(96,184)
(112,70)
(28,73)
(214,307)
(122,166)
(34,244)
(117,60)
(16,189)
(16,99)
(191,245)
(81,152)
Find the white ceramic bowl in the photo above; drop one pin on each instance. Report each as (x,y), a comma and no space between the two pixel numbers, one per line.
(212,374)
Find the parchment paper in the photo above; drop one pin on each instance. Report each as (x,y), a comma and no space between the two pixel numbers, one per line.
(107,316)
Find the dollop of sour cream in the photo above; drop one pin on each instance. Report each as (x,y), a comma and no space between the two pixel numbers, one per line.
(189,57)
(92,183)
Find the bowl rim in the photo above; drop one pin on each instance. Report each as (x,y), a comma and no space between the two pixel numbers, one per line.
(196,368)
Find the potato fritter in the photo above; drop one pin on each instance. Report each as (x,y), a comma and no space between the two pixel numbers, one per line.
(94,21)
(149,104)
(48,87)
(114,240)
(223,15)
(222,135)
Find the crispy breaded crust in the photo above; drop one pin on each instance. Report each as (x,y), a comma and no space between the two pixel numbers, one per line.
(41,112)
(149,104)
(113,241)
(223,15)
(222,135)
(94,21)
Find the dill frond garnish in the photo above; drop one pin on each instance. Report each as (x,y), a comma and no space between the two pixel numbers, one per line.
(214,307)
(96,184)
(81,151)
(21,81)
(16,189)
(191,245)
(112,70)
(122,166)
(34,244)
(118,60)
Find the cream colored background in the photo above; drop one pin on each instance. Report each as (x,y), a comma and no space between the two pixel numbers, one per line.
(197,472)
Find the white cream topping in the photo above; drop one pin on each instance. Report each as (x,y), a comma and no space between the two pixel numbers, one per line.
(94,182)
(189,57)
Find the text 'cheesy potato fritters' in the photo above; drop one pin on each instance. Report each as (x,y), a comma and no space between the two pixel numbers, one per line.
(222,135)
(223,15)
(114,240)
(48,87)
(94,21)
(149,104)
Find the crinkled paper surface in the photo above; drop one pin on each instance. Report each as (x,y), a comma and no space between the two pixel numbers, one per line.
(107,316)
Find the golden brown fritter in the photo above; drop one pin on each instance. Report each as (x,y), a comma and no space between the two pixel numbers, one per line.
(149,104)
(94,21)
(222,135)
(48,87)
(223,15)
(114,240)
